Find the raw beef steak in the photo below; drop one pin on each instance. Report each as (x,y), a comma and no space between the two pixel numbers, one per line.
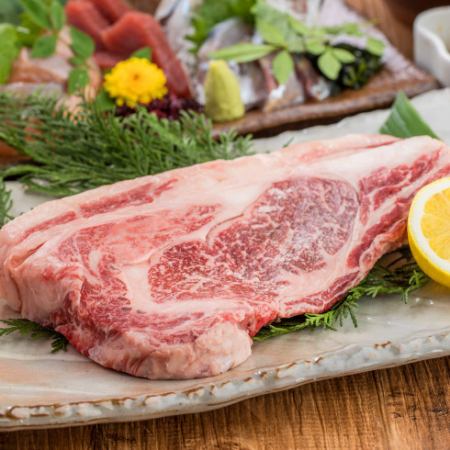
(169,276)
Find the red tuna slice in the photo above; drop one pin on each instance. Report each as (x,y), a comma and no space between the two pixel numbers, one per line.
(136,30)
(85,16)
(107,60)
(112,9)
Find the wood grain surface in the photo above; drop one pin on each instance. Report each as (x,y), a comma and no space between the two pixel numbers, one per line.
(400,408)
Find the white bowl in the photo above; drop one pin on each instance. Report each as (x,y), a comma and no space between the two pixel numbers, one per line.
(432,42)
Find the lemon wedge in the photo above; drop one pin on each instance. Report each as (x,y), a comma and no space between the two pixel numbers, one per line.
(429,230)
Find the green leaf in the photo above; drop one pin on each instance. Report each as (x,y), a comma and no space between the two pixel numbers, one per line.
(57,15)
(77,61)
(78,79)
(282,66)
(296,45)
(344,56)
(351,28)
(329,65)
(243,52)
(9,50)
(28,32)
(209,13)
(299,27)
(145,53)
(270,33)
(375,46)
(404,120)
(44,46)
(104,102)
(38,12)
(82,44)
(315,46)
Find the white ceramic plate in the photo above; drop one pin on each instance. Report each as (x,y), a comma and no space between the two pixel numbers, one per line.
(40,389)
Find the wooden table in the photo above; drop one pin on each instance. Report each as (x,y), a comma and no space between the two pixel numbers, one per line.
(401,408)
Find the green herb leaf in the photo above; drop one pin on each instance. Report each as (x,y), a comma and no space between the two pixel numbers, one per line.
(375,46)
(78,79)
(351,29)
(28,32)
(104,102)
(270,33)
(145,53)
(315,46)
(33,330)
(212,12)
(283,67)
(77,61)
(9,50)
(299,27)
(38,12)
(344,56)
(44,46)
(329,65)
(57,15)
(243,52)
(404,121)
(82,44)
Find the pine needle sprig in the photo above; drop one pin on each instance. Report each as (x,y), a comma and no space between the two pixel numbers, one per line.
(33,330)
(73,153)
(395,274)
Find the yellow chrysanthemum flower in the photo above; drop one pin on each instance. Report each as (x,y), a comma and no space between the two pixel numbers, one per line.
(135,81)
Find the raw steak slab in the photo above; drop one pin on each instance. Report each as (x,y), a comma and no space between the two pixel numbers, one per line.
(169,276)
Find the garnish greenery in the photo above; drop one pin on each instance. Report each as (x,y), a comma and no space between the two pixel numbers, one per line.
(396,273)
(284,36)
(73,153)
(40,28)
(33,330)
(9,50)
(211,12)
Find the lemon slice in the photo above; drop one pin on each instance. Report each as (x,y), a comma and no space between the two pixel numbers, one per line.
(429,230)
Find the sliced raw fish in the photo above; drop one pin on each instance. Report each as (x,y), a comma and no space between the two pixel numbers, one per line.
(85,16)
(107,60)
(316,87)
(111,9)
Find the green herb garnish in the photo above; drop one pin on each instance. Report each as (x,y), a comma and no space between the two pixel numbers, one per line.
(211,12)
(71,154)
(41,25)
(33,330)
(9,50)
(285,36)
